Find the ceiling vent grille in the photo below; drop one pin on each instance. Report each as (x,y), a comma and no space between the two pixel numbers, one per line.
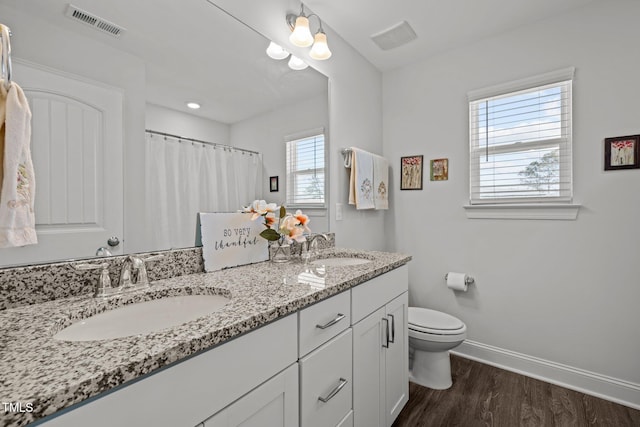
(395,36)
(94,21)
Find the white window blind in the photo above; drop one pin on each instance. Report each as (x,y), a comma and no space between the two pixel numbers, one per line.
(520,142)
(305,163)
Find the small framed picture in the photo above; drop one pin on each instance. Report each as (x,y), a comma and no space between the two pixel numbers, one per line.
(273,184)
(439,169)
(411,173)
(622,152)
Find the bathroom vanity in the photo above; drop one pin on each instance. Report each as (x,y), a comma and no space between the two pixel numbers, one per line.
(296,345)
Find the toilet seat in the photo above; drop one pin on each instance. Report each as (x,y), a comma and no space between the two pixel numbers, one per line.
(434,322)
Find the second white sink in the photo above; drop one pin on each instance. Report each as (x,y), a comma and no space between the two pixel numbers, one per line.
(142,318)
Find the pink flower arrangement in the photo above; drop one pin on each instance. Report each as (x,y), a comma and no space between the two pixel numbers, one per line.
(286,227)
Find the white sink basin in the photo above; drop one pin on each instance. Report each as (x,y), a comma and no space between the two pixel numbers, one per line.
(142,318)
(340,261)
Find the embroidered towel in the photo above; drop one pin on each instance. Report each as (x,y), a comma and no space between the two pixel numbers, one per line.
(17,219)
(380,182)
(361,182)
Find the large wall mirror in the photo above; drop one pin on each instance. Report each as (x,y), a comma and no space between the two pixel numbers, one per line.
(95,95)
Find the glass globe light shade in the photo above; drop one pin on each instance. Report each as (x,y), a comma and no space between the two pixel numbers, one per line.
(320,49)
(276,51)
(301,35)
(296,63)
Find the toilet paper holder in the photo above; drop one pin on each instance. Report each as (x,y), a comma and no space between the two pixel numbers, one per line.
(467,280)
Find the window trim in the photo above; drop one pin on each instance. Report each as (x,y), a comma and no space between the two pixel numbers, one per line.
(531,208)
(309,133)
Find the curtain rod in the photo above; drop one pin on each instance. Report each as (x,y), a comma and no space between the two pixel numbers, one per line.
(199,141)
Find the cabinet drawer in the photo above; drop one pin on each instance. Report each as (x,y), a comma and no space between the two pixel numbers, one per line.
(325,374)
(323,321)
(373,294)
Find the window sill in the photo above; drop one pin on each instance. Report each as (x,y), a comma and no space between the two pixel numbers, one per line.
(567,212)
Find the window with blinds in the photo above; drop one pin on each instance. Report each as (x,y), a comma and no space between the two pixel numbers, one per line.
(305,163)
(520,142)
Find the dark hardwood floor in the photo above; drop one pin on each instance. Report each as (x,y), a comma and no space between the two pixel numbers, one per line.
(482,395)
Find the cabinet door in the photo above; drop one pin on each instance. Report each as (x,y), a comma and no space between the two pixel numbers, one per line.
(273,404)
(369,402)
(397,358)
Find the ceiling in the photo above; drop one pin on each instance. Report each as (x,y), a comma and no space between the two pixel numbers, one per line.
(440,25)
(192,51)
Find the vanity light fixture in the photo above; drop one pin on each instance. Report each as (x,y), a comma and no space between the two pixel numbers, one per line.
(301,35)
(193,105)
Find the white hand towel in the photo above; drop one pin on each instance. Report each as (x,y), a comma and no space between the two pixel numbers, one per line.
(381,182)
(361,182)
(17,195)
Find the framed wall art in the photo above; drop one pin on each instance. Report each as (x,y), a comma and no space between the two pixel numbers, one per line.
(273,184)
(622,152)
(439,170)
(411,173)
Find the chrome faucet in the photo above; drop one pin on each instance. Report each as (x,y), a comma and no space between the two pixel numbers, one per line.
(312,243)
(133,275)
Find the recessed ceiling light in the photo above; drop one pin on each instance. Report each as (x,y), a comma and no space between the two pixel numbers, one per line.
(193,105)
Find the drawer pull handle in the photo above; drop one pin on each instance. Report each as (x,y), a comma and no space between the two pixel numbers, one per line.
(338,318)
(335,391)
(386,322)
(393,329)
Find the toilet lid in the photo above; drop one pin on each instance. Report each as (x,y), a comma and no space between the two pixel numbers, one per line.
(423,318)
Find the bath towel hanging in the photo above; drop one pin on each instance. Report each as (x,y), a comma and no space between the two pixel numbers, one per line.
(17,189)
(380,182)
(361,181)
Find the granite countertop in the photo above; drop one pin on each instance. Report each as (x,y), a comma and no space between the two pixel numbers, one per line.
(50,375)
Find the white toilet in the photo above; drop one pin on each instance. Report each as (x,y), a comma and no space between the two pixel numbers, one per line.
(431,335)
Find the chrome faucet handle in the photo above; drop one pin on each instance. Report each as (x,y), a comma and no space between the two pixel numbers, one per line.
(104,282)
(140,265)
(125,274)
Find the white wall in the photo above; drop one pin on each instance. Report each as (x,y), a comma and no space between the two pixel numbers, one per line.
(166,120)
(562,291)
(355,111)
(265,133)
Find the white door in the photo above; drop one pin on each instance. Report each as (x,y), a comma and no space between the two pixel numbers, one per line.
(397,358)
(76,146)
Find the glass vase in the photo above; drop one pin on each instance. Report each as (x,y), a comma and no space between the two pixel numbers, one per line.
(279,251)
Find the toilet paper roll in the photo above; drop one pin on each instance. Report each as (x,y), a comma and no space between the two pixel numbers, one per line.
(457,281)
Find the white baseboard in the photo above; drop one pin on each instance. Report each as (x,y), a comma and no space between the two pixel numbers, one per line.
(608,388)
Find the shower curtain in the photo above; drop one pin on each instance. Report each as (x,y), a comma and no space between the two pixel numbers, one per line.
(184,178)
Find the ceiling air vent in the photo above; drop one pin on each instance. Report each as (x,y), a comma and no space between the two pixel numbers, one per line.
(395,36)
(94,21)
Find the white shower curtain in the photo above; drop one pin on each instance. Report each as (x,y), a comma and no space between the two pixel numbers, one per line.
(184,178)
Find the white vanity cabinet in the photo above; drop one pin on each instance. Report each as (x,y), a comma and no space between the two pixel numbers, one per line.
(340,362)
(380,349)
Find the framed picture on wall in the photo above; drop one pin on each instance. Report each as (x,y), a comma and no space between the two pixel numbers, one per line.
(411,173)
(273,184)
(439,169)
(622,152)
